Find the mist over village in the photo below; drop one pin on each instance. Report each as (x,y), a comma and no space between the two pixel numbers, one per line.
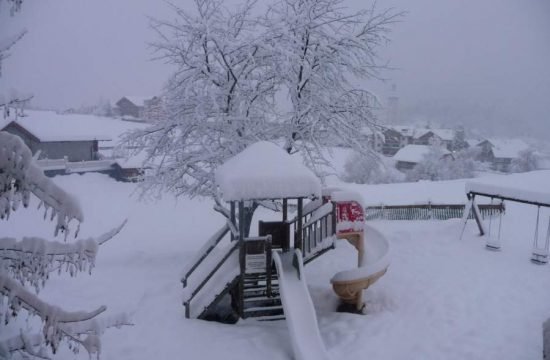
(276,179)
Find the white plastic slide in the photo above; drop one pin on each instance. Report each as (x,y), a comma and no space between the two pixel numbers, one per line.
(299,312)
(374,259)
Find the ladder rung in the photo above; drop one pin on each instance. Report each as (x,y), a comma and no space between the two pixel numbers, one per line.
(264,308)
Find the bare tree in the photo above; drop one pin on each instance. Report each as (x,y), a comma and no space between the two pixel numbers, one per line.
(28,262)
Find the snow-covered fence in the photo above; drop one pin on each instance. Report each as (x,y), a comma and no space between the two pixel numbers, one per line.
(428,211)
(87,166)
(52,164)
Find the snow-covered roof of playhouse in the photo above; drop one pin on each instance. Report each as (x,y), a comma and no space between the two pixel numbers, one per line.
(265,171)
(415,153)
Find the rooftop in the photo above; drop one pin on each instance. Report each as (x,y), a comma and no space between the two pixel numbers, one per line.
(50,126)
(415,153)
(265,171)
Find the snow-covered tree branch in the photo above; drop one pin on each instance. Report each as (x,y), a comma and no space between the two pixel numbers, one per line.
(216,99)
(232,66)
(14,5)
(321,52)
(6,44)
(28,262)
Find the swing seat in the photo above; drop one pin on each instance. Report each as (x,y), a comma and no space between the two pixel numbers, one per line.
(493,247)
(540,256)
(493,244)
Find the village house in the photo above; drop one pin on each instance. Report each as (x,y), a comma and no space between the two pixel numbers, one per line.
(436,137)
(56,139)
(72,143)
(374,138)
(410,155)
(501,152)
(396,137)
(138,107)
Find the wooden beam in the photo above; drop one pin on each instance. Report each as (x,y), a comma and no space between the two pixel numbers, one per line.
(242,259)
(502,197)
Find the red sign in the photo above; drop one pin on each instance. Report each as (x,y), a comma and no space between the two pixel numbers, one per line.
(349,213)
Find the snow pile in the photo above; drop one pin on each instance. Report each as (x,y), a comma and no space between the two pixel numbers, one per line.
(347,196)
(440,299)
(265,171)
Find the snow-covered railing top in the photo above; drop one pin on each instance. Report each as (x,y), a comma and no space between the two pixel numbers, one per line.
(265,171)
(532,188)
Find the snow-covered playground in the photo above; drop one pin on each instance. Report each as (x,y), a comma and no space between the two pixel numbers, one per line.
(441,297)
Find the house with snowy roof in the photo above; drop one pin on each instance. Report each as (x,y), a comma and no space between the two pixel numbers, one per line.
(374,138)
(501,152)
(396,137)
(410,155)
(72,137)
(136,107)
(437,137)
(399,136)
(56,136)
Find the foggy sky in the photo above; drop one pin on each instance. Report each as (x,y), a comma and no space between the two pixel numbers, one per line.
(484,63)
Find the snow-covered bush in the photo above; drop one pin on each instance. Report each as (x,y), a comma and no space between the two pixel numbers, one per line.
(26,264)
(438,165)
(375,169)
(527,160)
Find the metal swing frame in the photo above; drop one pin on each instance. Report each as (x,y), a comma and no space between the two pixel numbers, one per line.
(540,255)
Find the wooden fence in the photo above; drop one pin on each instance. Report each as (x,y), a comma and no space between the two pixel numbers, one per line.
(429,211)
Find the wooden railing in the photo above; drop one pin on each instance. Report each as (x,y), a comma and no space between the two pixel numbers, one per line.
(317,224)
(204,252)
(320,226)
(428,211)
(187,303)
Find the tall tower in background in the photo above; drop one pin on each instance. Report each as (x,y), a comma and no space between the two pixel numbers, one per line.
(392,109)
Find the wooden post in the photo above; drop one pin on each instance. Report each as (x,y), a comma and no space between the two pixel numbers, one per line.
(285,209)
(298,240)
(241,258)
(232,218)
(268,265)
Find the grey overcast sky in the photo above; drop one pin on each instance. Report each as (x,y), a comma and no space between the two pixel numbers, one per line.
(475,62)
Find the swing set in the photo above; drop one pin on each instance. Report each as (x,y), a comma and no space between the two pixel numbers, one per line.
(541,247)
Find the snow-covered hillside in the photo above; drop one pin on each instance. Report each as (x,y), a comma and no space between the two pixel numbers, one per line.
(442,298)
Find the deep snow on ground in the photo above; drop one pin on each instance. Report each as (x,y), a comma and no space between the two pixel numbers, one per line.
(442,298)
